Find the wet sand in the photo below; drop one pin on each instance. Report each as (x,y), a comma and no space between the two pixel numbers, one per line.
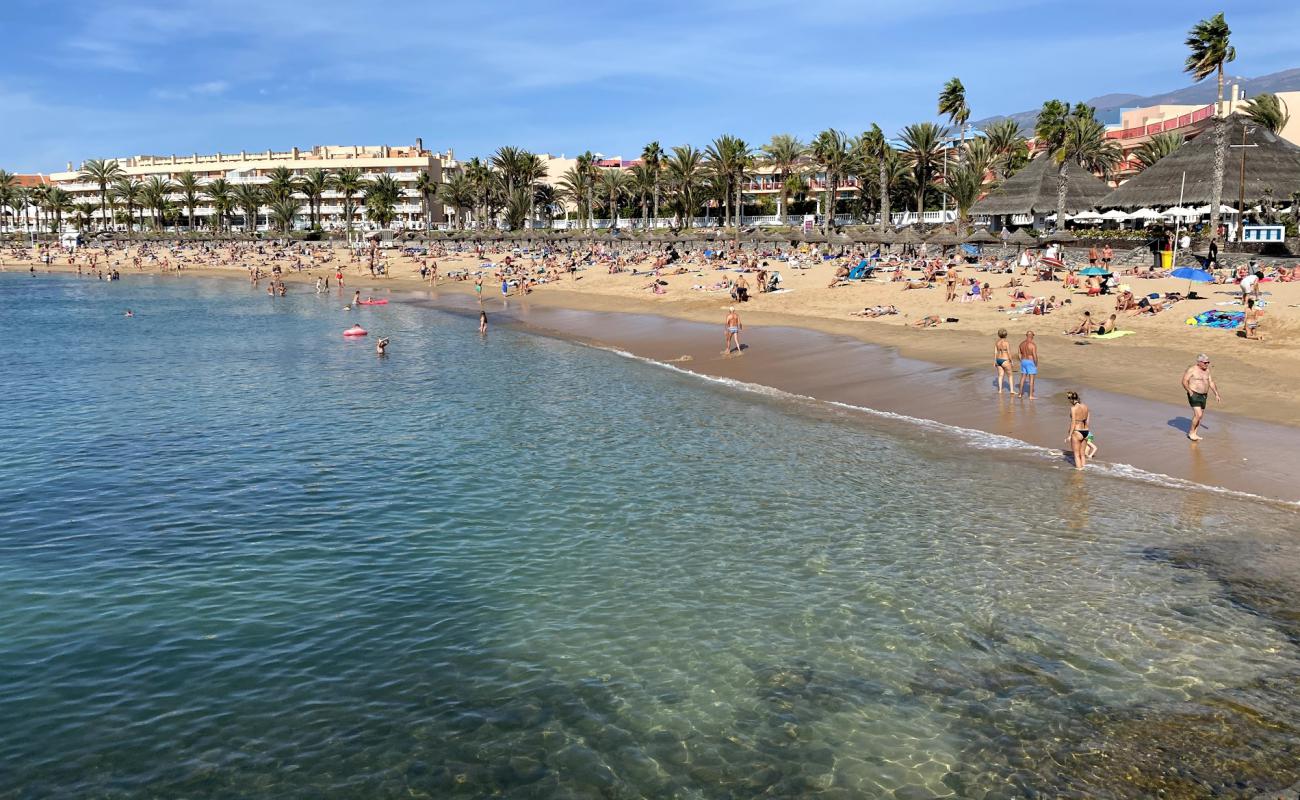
(1144,434)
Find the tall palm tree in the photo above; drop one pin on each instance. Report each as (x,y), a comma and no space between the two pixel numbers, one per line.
(85,215)
(653,156)
(963,185)
(427,186)
(979,154)
(1268,111)
(922,147)
(314,184)
(508,160)
(728,158)
(643,184)
(783,154)
(587,166)
(58,201)
(381,197)
(101,173)
(831,152)
(155,194)
(952,103)
(220,193)
(1010,148)
(459,194)
(282,185)
(1083,143)
(545,199)
(249,198)
(878,151)
(191,190)
(130,192)
(8,185)
(532,169)
(1156,148)
(37,195)
(684,170)
(284,211)
(348,182)
(614,184)
(575,188)
(1211,48)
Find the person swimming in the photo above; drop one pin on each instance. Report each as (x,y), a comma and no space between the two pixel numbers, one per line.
(381,346)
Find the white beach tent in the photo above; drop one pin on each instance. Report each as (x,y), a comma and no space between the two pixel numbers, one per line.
(1181,212)
(1117,216)
(1205,209)
(1145,213)
(1088,216)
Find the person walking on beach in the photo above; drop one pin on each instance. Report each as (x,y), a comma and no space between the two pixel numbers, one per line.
(1199,384)
(1028,364)
(1080,429)
(1002,362)
(478,289)
(732,334)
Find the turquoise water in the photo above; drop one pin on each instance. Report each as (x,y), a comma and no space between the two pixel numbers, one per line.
(241,556)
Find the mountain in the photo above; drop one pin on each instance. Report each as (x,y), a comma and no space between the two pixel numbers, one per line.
(1109,105)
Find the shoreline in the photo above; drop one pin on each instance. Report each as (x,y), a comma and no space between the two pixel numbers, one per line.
(891,374)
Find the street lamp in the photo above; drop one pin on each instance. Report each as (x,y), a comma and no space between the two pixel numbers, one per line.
(1241,197)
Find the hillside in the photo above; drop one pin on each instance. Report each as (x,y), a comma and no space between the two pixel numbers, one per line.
(1108,105)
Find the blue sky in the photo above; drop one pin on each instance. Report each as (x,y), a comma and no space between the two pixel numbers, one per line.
(102,78)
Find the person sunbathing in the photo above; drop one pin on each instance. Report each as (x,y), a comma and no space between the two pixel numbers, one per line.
(932,321)
(876,311)
(916,285)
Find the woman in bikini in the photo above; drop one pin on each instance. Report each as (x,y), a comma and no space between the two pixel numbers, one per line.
(1080,427)
(1002,361)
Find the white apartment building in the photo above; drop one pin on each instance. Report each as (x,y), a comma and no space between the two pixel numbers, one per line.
(402,163)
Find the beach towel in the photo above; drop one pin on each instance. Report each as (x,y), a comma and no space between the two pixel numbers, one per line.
(1111,335)
(1225,320)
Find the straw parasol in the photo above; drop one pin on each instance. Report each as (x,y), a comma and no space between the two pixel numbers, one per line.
(1061,236)
(1273,163)
(1033,190)
(944,238)
(1023,237)
(908,236)
(981,236)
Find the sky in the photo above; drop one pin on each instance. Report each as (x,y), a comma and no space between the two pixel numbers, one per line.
(85,79)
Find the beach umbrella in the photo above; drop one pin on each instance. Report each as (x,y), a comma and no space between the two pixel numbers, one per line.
(1205,209)
(1192,274)
(1024,237)
(1116,215)
(1145,213)
(1088,216)
(1180,211)
(981,236)
(908,236)
(1061,237)
(944,239)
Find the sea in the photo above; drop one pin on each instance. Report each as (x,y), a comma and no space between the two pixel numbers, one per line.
(243,556)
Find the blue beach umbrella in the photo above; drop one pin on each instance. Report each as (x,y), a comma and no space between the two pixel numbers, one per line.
(1192,274)
(1094,271)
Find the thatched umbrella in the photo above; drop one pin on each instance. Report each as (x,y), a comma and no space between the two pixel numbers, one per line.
(944,238)
(1061,237)
(908,236)
(980,236)
(1272,163)
(1023,237)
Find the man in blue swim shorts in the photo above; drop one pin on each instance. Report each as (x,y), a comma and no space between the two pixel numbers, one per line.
(1028,363)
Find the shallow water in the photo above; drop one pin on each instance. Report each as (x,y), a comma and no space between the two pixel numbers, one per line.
(241,556)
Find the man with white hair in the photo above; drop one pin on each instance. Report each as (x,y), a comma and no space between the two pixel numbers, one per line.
(1199,384)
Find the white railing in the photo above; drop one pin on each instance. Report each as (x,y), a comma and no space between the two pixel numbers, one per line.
(927,218)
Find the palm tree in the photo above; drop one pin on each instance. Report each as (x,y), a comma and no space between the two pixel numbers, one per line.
(427,186)
(85,215)
(643,185)
(613,186)
(131,193)
(923,146)
(382,195)
(459,194)
(587,166)
(532,169)
(1210,48)
(507,161)
(783,154)
(653,155)
(519,207)
(952,103)
(37,196)
(58,202)
(284,211)
(979,154)
(190,189)
(963,185)
(102,174)
(8,186)
(154,194)
(314,184)
(219,192)
(1268,111)
(831,152)
(282,185)
(728,158)
(249,197)
(684,169)
(574,187)
(20,203)
(1083,143)
(1156,148)
(347,182)
(1010,148)
(878,151)
(545,198)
